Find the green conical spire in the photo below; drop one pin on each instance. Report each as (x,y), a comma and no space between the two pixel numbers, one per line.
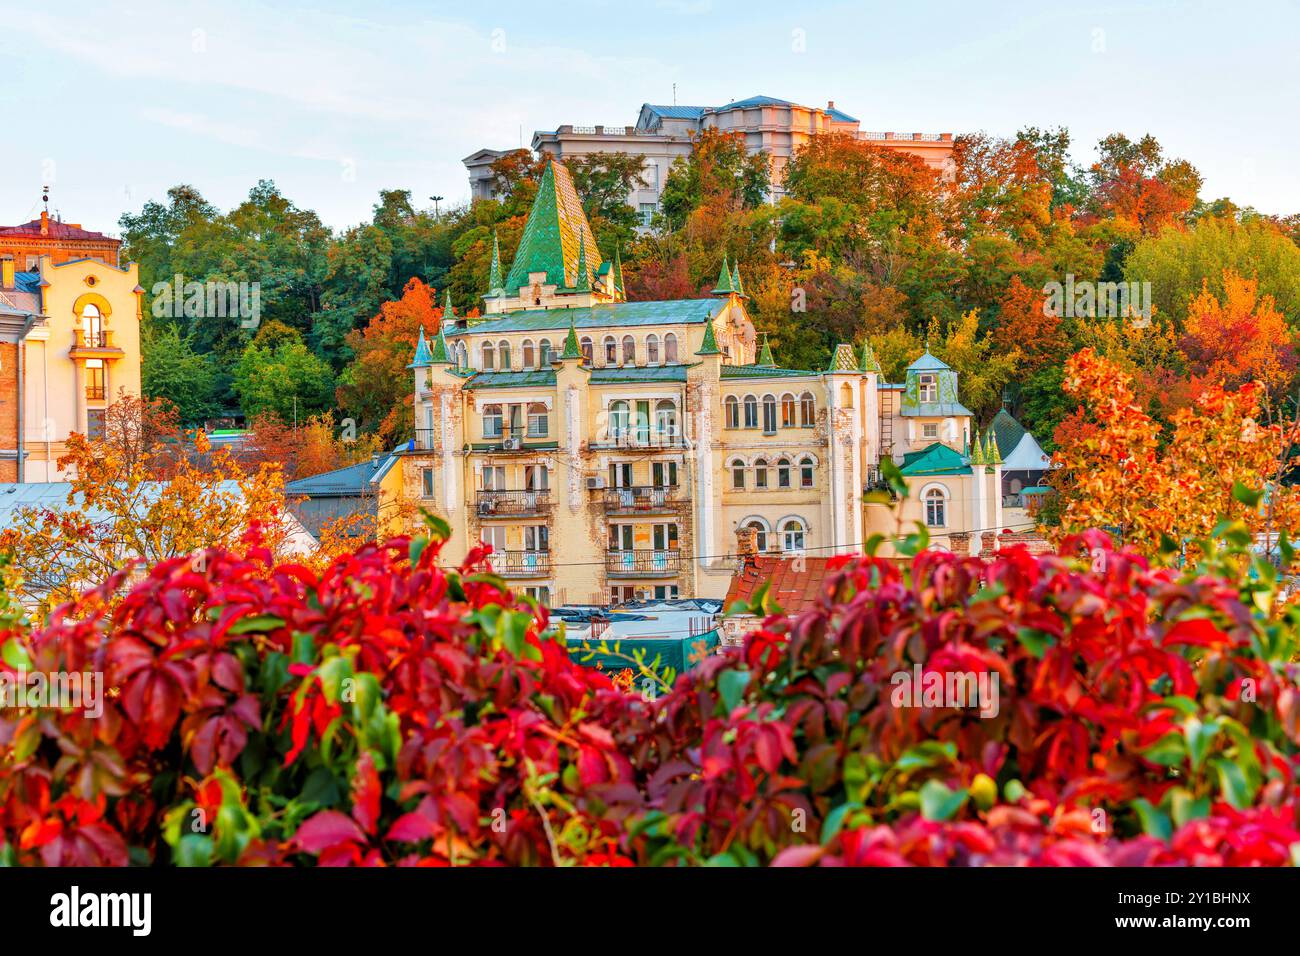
(869,361)
(552,233)
(735,281)
(584,278)
(724,286)
(843,359)
(494,276)
(976,453)
(710,344)
(992,456)
(441,354)
(618,274)
(448,311)
(572,350)
(765,359)
(422,357)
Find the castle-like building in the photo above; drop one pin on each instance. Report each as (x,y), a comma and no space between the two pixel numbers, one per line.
(610,450)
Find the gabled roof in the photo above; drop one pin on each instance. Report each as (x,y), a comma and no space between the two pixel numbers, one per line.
(612,314)
(935,459)
(796,582)
(556,231)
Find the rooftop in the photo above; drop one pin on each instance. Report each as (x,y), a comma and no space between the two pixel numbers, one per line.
(935,459)
(349,480)
(796,582)
(55,230)
(666,312)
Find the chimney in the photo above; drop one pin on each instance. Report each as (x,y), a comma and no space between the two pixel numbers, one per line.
(959,542)
(830,104)
(747,547)
(45,222)
(7,272)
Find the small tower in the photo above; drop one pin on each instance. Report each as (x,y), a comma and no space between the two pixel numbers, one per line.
(495,289)
(765,359)
(584,277)
(572,350)
(737,286)
(724,286)
(620,292)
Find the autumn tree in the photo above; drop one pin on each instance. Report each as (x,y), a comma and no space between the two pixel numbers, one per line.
(1119,470)
(1240,339)
(718,172)
(1026,326)
(1134,181)
(117,513)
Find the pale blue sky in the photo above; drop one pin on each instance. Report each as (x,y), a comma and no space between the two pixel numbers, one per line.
(114,103)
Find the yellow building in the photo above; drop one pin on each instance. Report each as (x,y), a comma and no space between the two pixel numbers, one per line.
(69,347)
(609,450)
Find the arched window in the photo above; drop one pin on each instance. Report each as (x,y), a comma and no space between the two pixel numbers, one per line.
(544,354)
(587,350)
(611,350)
(666,418)
(793,532)
(737,474)
(783,473)
(652,349)
(488,352)
(629,350)
(732,406)
(806,472)
(462,355)
(620,421)
(751,411)
(92,326)
(670,349)
(936,507)
(807,410)
(527,356)
(760,529)
(760,473)
(503,355)
(492,421)
(538,420)
(769,414)
(788,411)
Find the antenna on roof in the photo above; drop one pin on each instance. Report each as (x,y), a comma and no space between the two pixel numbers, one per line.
(45,197)
(674,94)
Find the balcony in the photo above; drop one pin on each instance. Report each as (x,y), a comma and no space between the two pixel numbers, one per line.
(424,439)
(520,564)
(94,344)
(514,504)
(640,439)
(641,499)
(643,563)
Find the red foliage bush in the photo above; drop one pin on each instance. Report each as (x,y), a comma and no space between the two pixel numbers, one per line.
(388,711)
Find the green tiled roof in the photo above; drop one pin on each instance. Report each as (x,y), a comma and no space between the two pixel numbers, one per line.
(936,459)
(843,360)
(927,363)
(553,234)
(762,371)
(643,374)
(538,377)
(422,357)
(736,284)
(494,276)
(614,314)
(572,350)
(765,356)
(440,354)
(710,344)
(1007,432)
(725,285)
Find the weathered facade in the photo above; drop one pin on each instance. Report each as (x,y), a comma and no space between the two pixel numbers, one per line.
(608,450)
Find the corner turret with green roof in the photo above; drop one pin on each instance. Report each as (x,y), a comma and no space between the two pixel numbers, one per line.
(441,354)
(991,454)
(710,344)
(765,359)
(736,284)
(584,277)
(843,360)
(572,350)
(724,286)
(869,361)
(422,357)
(976,453)
(618,275)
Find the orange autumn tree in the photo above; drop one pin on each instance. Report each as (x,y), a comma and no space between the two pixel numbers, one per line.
(311,447)
(1027,326)
(1218,460)
(116,512)
(1241,339)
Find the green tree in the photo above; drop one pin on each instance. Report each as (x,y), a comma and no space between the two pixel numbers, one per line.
(278,374)
(171,369)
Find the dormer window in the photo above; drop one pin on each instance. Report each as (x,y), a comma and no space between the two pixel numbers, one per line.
(928,387)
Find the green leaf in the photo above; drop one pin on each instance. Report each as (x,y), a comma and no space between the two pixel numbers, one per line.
(731,685)
(1169,751)
(1250,497)
(1233,786)
(15,655)
(418,544)
(1034,641)
(930,753)
(1184,808)
(1200,738)
(258,623)
(940,803)
(1155,822)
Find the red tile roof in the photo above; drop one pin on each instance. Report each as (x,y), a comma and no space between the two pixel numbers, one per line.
(57,230)
(794,590)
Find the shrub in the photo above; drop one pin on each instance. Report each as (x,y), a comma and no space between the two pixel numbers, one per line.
(389,711)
